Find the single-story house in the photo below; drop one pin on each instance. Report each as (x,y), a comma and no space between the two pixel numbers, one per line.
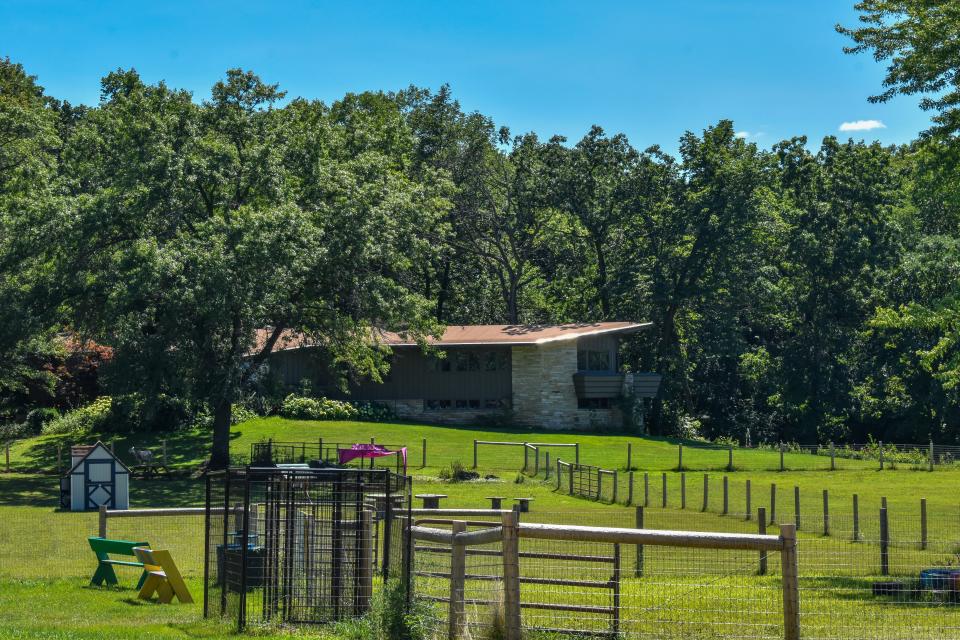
(555,376)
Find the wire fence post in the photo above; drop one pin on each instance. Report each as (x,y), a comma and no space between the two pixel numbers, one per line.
(423,455)
(630,490)
(683,491)
(546,465)
(856,517)
(638,570)
(646,489)
(511,577)
(923,523)
(526,456)
(458,570)
(706,489)
(576,452)
(616,483)
(474,454)
(826,512)
(726,495)
(102,528)
(730,458)
(833,458)
(796,506)
(782,468)
(762,530)
(749,514)
(570,471)
(791,592)
(664,490)
(930,457)
(773,503)
(884,543)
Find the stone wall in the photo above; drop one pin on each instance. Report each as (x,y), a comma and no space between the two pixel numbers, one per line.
(543,394)
(414,410)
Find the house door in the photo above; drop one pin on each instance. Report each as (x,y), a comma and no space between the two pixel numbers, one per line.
(98,483)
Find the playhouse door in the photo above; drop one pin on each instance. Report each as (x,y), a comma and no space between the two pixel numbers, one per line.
(98,483)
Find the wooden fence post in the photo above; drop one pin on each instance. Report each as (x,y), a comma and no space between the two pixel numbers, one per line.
(599,484)
(826,512)
(679,457)
(856,518)
(881,455)
(576,452)
(423,455)
(833,458)
(646,489)
(629,456)
(570,471)
(762,530)
(706,489)
(664,491)
(536,461)
(726,495)
(884,543)
(558,474)
(730,458)
(616,484)
(683,490)
(458,570)
(102,529)
(511,577)
(749,514)
(638,572)
(796,506)
(773,503)
(526,456)
(546,465)
(930,457)
(923,523)
(791,592)
(782,468)
(630,490)
(474,454)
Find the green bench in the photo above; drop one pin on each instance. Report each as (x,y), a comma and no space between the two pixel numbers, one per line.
(104,548)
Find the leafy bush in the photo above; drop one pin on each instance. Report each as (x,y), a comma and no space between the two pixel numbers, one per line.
(457,473)
(37,418)
(390,619)
(136,412)
(307,408)
(14,431)
(239,413)
(93,417)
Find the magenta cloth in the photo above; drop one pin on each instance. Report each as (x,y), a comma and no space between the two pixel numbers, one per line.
(368,451)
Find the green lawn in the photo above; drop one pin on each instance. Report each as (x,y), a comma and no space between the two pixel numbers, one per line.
(44,559)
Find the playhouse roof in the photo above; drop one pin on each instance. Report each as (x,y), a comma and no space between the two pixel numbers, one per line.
(90,449)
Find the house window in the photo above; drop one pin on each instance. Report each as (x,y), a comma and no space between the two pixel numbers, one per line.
(593,403)
(466,361)
(495,361)
(593,360)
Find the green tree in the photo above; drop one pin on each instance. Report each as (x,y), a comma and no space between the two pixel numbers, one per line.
(203,233)
(920,39)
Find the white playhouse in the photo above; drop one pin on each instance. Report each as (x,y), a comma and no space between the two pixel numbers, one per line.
(96,477)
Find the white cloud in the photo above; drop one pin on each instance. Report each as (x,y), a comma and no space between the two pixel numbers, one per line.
(862,125)
(743,135)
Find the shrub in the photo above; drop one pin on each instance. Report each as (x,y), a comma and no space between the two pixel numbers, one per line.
(307,408)
(37,418)
(136,412)
(93,417)
(239,413)
(14,431)
(390,619)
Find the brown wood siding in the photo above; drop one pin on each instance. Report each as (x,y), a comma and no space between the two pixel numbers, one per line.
(415,376)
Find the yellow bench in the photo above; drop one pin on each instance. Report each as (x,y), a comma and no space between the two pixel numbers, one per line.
(163,577)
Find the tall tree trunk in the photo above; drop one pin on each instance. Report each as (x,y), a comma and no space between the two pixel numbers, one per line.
(220,455)
(443,292)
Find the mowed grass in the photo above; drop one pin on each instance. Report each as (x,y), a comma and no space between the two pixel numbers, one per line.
(45,561)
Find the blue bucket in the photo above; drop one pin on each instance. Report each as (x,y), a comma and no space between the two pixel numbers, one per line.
(938,579)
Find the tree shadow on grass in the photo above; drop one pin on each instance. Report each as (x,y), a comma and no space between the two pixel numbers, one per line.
(185,449)
(28,490)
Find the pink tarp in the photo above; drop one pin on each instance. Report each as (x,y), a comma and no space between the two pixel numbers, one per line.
(366,451)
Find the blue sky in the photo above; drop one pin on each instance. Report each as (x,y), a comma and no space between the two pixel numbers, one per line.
(650,69)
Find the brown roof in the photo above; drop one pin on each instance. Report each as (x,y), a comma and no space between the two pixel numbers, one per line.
(476,334)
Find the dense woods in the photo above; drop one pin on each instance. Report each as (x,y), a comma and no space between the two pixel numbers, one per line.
(807,291)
